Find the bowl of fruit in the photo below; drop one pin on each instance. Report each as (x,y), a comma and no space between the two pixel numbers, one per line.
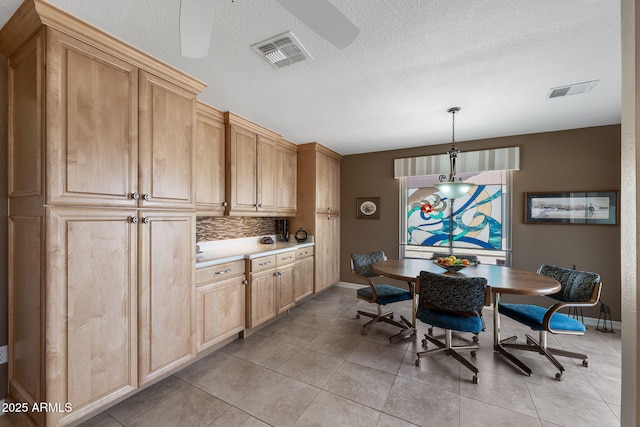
(452,264)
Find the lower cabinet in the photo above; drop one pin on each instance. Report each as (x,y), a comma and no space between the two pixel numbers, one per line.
(303,273)
(118,305)
(220,303)
(277,282)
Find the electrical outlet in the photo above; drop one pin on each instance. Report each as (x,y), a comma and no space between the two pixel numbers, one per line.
(3,354)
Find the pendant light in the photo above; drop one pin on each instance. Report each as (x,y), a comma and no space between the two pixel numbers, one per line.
(450,187)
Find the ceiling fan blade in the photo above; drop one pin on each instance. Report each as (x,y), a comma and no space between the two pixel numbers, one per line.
(323,18)
(196,24)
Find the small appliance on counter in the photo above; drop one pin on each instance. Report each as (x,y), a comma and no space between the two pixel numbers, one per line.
(283,228)
(267,240)
(301,236)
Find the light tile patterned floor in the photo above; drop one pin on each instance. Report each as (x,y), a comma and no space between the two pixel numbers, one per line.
(313,367)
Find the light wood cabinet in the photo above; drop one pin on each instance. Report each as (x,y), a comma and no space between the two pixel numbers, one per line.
(167,296)
(319,209)
(285,281)
(118,136)
(220,302)
(287,169)
(303,273)
(257,183)
(167,123)
(210,161)
(262,295)
(98,304)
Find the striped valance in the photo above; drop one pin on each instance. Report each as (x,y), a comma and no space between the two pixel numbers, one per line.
(467,161)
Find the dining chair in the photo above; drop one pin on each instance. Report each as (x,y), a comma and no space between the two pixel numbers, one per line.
(578,289)
(379,294)
(454,304)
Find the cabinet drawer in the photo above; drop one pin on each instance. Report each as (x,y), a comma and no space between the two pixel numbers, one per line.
(304,252)
(263,263)
(286,258)
(219,272)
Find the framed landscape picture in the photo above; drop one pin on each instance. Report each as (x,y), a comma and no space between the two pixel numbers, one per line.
(575,207)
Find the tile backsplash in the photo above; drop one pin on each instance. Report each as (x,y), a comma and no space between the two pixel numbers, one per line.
(209,228)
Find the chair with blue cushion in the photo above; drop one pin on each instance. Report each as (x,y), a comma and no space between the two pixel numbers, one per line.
(579,289)
(453,304)
(379,294)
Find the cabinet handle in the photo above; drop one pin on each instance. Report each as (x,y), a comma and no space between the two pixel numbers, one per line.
(145,197)
(285,258)
(245,282)
(264,263)
(225,204)
(134,220)
(277,273)
(259,205)
(145,220)
(228,270)
(135,195)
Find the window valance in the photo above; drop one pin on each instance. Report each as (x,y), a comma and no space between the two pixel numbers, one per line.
(467,161)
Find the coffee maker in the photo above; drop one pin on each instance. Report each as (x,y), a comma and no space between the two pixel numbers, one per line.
(283,229)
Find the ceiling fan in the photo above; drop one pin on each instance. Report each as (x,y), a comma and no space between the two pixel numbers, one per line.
(196,23)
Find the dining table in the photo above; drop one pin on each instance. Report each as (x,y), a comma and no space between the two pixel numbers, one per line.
(501,279)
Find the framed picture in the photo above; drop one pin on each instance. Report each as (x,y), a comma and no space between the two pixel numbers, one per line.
(368,207)
(575,207)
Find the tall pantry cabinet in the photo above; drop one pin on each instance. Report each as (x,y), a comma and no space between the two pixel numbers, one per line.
(101,215)
(319,209)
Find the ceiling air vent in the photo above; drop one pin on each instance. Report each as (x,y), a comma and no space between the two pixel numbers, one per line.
(572,89)
(282,50)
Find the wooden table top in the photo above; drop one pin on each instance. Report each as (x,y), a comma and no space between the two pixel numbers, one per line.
(501,279)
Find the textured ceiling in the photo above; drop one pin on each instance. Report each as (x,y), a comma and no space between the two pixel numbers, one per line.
(497,59)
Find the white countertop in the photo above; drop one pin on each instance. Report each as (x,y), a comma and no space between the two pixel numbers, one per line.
(219,252)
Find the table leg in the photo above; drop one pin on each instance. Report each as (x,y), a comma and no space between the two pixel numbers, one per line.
(499,346)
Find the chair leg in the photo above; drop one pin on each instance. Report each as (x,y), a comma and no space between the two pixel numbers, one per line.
(450,350)
(386,317)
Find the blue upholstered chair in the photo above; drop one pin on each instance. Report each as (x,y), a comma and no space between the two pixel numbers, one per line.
(379,294)
(579,289)
(454,304)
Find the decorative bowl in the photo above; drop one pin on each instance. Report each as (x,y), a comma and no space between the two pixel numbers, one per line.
(452,268)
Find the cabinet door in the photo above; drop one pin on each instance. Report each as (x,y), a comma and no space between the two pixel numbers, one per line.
(167,143)
(285,288)
(242,152)
(267,184)
(323,182)
(334,184)
(302,278)
(210,162)
(91,310)
(92,126)
(327,255)
(287,177)
(221,310)
(263,297)
(167,297)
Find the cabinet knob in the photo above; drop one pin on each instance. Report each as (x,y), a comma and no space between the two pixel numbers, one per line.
(135,196)
(146,220)
(145,197)
(225,204)
(134,219)
(245,282)
(259,205)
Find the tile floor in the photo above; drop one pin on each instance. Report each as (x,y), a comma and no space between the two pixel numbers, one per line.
(313,367)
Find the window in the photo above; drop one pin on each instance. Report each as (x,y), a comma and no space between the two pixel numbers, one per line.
(480,224)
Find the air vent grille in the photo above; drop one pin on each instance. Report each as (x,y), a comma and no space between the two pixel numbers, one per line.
(282,50)
(572,89)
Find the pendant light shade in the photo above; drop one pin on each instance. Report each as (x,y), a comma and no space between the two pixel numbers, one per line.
(451,187)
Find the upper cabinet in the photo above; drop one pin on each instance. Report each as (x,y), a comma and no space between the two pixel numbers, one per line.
(327,184)
(210,161)
(260,168)
(286,202)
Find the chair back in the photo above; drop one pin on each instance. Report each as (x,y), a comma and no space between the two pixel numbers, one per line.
(462,295)
(577,286)
(362,263)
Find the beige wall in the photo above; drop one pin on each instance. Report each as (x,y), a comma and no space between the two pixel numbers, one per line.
(575,160)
